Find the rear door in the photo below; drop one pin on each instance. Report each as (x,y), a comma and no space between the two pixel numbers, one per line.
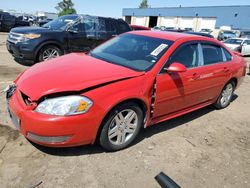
(215,70)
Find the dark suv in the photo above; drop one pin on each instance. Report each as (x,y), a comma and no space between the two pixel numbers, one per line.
(70,33)
(7,21)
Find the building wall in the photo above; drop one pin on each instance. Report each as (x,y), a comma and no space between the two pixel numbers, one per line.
(234,16)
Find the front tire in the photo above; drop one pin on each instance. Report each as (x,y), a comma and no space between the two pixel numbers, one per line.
(226,96)
(121,127)
(49,52)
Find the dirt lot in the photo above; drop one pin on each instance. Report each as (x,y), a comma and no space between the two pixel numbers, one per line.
(206,148)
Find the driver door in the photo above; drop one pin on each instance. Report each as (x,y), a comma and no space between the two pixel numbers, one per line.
(82,35)
(177,91)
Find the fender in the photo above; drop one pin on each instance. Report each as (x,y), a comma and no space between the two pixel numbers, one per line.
(49,42)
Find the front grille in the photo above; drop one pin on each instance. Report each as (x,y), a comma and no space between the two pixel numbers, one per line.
(15,37)
(48,139)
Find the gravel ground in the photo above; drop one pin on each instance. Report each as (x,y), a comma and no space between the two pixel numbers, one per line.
(206,148)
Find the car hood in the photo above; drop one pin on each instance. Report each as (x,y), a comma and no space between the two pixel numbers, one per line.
(232,46)
(27,30)
(73,72)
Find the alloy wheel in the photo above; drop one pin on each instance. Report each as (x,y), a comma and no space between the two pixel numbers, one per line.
(123,127)
(226,94)
(49,54)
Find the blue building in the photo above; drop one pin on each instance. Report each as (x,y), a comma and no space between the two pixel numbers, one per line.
(209,17)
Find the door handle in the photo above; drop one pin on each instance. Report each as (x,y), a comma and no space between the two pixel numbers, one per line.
(91,37)
(195,76)
(225,69)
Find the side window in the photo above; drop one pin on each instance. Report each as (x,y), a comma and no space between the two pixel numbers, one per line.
(86,25)
(101,26)
(89,24)
(212,54)
(187,55)
(110,26)
(78,27)
(228,56)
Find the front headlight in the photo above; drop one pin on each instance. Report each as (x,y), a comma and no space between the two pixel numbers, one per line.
(31,36)
(65,106)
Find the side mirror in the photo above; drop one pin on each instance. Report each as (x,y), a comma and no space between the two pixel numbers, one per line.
(244,44)
(73,30)
(176,67)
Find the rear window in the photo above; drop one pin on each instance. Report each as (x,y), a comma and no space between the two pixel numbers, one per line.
(212,54)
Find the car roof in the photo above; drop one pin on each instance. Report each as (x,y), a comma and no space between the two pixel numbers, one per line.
(92,16)
(173,36)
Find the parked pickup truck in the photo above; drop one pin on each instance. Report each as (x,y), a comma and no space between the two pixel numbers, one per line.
(70,33)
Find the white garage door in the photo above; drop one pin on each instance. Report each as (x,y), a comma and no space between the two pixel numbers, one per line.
(167,22)
(208,23)
(186,23)
(140,21)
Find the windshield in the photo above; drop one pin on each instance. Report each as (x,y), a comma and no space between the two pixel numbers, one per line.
(137,52)
(233,41)
(229,32)
(246,33)
(61,23)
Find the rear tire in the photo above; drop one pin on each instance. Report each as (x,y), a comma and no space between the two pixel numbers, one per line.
(226,96)
(49,52)
(121,127)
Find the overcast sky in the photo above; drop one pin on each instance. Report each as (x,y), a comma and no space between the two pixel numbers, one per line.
(112,8)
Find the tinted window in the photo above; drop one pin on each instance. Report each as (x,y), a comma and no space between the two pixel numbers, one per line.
(123,26)
(187,55)
(86,24)
(78,27)
(133,51)
(110,26)
(227,55)
(212,54)
(89,24)
(101,26)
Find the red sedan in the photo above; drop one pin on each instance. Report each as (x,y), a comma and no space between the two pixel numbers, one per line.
(132,81)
